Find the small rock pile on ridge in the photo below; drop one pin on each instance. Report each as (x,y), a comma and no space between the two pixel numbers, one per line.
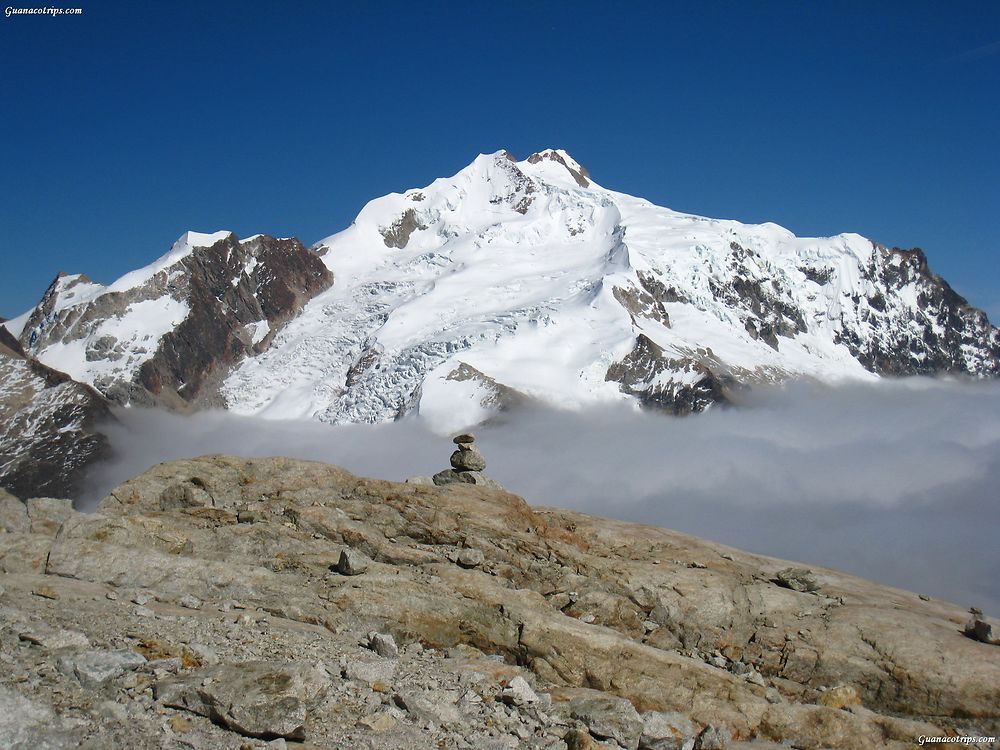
(467,465)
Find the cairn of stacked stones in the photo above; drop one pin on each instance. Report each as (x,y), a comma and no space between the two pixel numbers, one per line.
(467,465)
(468,457)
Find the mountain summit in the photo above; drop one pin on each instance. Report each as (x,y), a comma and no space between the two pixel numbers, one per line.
(509,281)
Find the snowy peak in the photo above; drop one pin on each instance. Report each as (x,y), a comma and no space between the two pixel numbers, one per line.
(185,245)
(492,191)
(192,239)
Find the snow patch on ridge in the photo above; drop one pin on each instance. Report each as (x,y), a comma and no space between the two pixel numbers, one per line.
(182,248)
(124,341)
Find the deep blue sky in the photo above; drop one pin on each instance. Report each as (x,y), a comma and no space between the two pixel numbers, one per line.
(125,126)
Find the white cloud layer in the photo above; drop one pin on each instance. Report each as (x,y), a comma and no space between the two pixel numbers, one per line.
(898,482)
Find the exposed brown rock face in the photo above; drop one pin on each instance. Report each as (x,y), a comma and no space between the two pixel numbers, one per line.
(49,426)
(212,338)
(398,235)
(229,288)
(607,632)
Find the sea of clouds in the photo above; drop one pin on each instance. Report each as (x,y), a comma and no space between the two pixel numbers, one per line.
(894,481)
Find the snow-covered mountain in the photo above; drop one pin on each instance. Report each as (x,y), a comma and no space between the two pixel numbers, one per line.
(525,279)
(511,280)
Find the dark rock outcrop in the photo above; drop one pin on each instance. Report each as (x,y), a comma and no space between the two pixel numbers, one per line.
(947,335)
(638,374)
(50,426)
(398,234)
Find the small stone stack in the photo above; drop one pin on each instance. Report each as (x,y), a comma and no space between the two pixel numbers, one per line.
(467,465)
(467,457)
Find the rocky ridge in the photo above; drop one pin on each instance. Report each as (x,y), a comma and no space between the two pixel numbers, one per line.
(167,335)
(224,602)
(163,336)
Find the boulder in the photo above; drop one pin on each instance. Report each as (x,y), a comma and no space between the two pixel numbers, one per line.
(663,730)
(607,717)
(468,458)
(797,579)
(256,699)
(371,671)
(470,558)
(383,644)
(436,706)
(450,476)
(52,638)
(47,514)
(13,514)
(713,737)
(981,630)
(422,480)
(352,562)
(519,693)
(96,668)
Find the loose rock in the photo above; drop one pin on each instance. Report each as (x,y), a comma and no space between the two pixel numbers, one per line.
(190,602)
(352,562)
(470,558)
(667,731)
(53,638)
(609,718)
(797,579)
(420,480)
(256,699)
(95,668)
(982,631)
(383,644)
(519,693)
(713,738)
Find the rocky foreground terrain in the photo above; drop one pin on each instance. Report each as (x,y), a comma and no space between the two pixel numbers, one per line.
(232,603)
